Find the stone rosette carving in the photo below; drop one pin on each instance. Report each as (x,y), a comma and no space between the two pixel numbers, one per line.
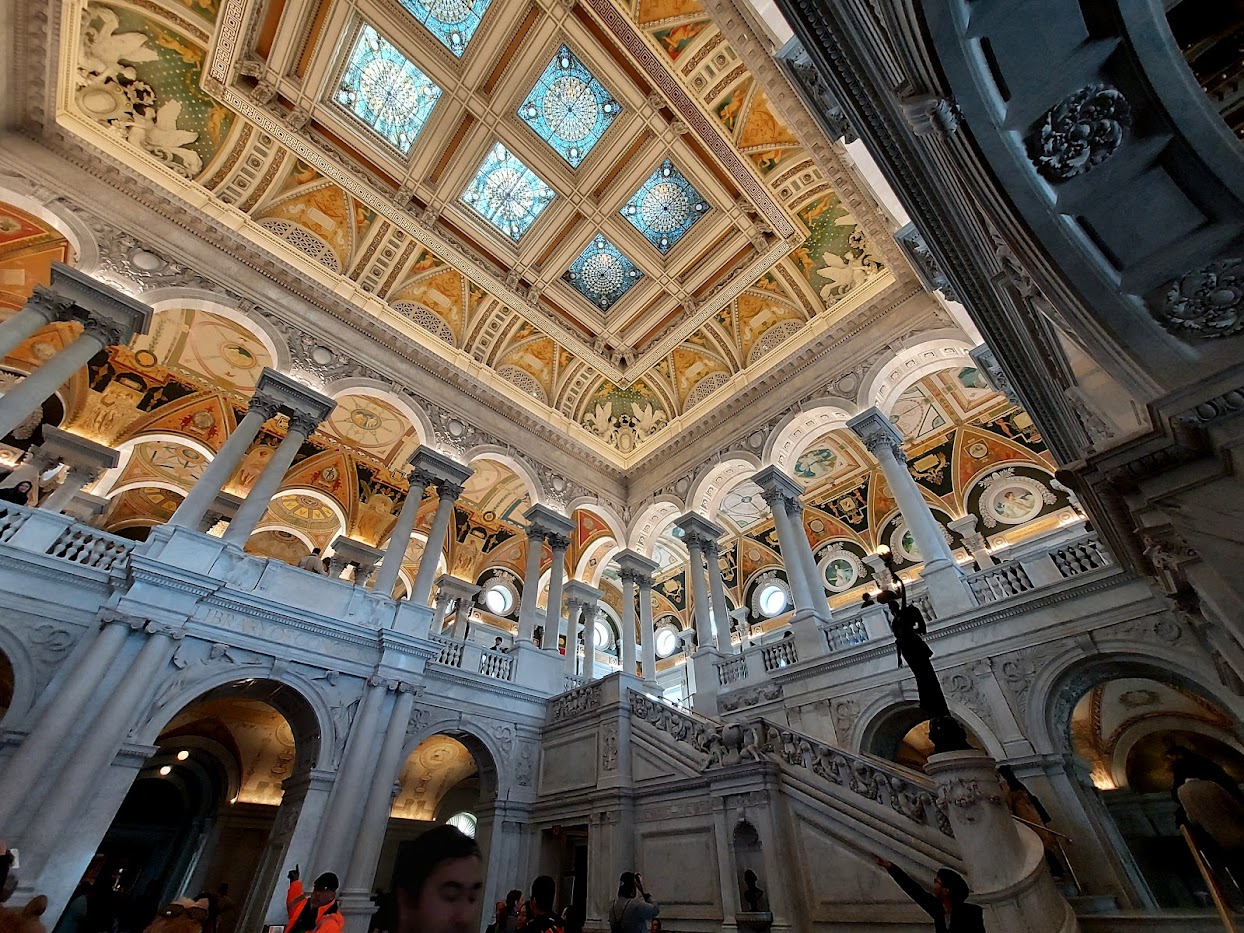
(1080,132)
(1206,303)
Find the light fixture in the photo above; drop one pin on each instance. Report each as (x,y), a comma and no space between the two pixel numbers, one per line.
(886,555)
(166,771)
(183,755)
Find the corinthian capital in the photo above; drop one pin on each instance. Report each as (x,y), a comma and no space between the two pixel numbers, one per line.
(878,433)
(304,422)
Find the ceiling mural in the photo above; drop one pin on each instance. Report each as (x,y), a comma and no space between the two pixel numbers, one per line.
(434,768)
(28,247)
(624,238)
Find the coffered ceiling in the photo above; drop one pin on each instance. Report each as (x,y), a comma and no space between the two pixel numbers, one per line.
(594,207)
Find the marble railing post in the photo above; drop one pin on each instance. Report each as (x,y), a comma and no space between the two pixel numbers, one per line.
(947,588)
(42,308)
(29,763)
(202,495)
(717,597)
(973,540)
(301,426)
(399,539)
(528,611)
(375,820)
(447,494)
(341,820)
(557,576)
(84,764)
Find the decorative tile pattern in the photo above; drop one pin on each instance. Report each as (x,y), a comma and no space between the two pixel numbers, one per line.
(569,108)
(602,274)
(453,22)
(506,193)
(665,207)
(386,91)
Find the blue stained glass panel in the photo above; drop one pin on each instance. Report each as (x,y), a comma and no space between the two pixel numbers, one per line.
(602,274)
(453,22)
(569,108)
(665,207)
(386,91)
(506,193)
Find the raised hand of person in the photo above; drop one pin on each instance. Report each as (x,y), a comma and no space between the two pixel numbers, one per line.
(293,874)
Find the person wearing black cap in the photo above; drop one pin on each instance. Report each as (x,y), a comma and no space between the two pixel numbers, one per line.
(316,912)
(947,904)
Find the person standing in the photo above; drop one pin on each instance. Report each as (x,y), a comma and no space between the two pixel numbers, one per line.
(634,908)
(313,562)
(439,880)
(316,912)
(540,916)
(18,494)
(946,904)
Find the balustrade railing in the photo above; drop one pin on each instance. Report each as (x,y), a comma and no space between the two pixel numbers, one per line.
(779,654)
(731,670)
(90,548)
(1081,556)
(451,651)
(845,634)
(1001,582)
(11,519)
(496,664)
(573,681)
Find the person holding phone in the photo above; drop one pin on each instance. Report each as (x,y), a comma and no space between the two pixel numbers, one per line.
(634,908)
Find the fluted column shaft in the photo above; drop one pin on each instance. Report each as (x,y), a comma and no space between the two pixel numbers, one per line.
(204,492)
(717,594)
(380,798)
(647,629)
(699,593)
(90,759)
(628,621)
(25,397)
(256,503)
(47,738)
(527,610)
(42,308)
(795,568)
(557,580)
(399,540)
(447,495)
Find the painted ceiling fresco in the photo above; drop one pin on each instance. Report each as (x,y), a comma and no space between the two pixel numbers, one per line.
(606,213)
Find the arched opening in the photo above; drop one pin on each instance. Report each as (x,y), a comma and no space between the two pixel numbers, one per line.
(1124,722)
(448,777)
(212,810)
(748,862)
(8,685)
(902,736)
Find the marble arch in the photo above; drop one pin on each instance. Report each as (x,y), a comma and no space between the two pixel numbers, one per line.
(359,385)
(105,485)
(25,677)
(606,548)
(794,433)
(892,376)
(518,466)
(1138,731)
(176,298)
(875,716)
(719,478)
(481,743)
(66,222)
(648,525)
(606,513)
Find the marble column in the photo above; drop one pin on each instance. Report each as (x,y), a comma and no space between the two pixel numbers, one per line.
(109,318)
(441,607)
(699,591)
(341,821)
(948,590)
(574,614)
(557,577)
(447,494)
(391,566)
(528,611)
(462,593)
(253,508)
(84,764)
(627,654)
(717,597)
(29,763)
(42,308)
(375,820)
(782,494)
(641,570)
(263,406)
(85,459)
(582,601)
(973,540)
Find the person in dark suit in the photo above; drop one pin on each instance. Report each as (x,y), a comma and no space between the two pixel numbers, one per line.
(947,904)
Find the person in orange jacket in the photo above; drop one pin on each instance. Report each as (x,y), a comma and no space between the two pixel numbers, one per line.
(316,912)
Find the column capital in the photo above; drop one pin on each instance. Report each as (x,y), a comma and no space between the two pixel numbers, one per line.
(92,299)
(304,422)
(878,433)
(634,563)
(583,594)
(558,543)
(697,529)
(264,405)
(777,485)
(292,397)
(50,305)
(108,331)
(447,490)
(455,587)
(438,468)
(553,523)
(77,452)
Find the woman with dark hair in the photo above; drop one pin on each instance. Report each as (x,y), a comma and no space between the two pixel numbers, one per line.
(947,904)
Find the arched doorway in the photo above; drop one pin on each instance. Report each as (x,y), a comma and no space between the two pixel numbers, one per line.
(8,684)
(210,808)
(901,735)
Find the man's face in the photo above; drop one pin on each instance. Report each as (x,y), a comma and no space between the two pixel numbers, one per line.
(321,897)
(448,902)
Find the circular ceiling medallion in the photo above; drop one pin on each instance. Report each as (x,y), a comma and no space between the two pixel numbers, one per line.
(841,570)
(1013,501)
(322,355)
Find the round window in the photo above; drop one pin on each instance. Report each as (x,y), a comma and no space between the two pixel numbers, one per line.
(772,600)
(667,642)
(498,599)
(600,635)
(464,822)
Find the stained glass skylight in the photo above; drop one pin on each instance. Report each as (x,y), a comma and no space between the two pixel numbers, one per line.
(506,193)
(568,108)
(453,22)
(602,274)
(665,207)
(386,91)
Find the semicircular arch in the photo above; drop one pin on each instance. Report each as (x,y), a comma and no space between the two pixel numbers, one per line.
(795,432)
(892,376)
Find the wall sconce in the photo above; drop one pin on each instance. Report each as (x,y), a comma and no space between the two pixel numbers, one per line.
(886,555)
